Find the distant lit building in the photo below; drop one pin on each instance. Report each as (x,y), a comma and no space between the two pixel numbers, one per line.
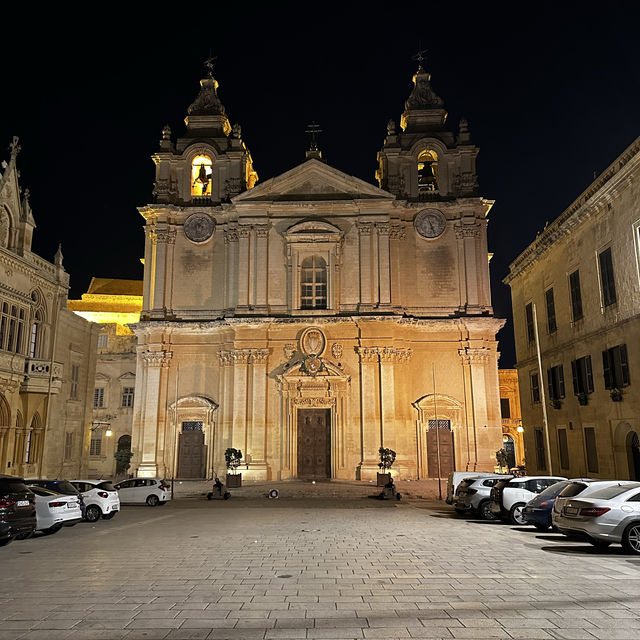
(113,304)
(47,353)
(314,318)
(581,277)
(512,429)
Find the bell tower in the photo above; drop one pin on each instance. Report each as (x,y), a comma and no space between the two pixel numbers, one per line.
(425,160)
(208,165)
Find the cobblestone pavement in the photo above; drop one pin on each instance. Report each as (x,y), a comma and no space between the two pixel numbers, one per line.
(312,568)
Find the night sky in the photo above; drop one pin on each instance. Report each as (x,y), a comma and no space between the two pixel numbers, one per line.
(551,92)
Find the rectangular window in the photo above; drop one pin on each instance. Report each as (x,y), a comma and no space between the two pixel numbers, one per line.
(555,380)
(582,374)
(96,445)
(127,396)
(551,311)
(98,398)
(615,367)
(68,445)
(535,388)
(531,334)
(27,448)
(592,452)
(563,448)
(75,376)
(576,295)
(541,459)
(606,276)
(505,407)
(103,341)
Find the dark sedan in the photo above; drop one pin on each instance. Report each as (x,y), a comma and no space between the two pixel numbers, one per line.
(17,510)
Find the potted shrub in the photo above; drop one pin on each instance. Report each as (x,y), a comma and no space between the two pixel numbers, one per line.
(387,458)
(233,457)
(123,461)
(616,394)
(582,398)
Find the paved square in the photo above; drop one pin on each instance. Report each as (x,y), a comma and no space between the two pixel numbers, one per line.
(312,568)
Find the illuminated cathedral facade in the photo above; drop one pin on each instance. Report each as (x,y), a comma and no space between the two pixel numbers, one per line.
(313,318)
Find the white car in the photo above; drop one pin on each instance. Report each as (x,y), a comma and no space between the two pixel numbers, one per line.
(152,491)
(473,495)
(509,497)
(100,498)
(54,510)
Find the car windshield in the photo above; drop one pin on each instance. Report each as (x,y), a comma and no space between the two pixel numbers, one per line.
(106,486)
(612,492)
(554,489)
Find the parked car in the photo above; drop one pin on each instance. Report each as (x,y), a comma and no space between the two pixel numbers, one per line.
(474,495)
(152,491)
(607,515)
(59,486)
(17,510)
(582,488)
(456,477)
(538,510)
(54,510)
(509,497)
(100,497)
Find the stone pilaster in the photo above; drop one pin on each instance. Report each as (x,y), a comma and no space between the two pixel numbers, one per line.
(240,359)
(370,420)
(244,237)
(261,266)
(469,235)
(384,270)
(231,280)
(257,437)
(364,229)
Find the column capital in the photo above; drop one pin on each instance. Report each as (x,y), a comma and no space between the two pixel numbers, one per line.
(397,232)
(474,355)
(262,230)
(383,228)
(243,231)
(368,354)
(259,356)
(467,230)
(231,235)
(364,228)
(158,358)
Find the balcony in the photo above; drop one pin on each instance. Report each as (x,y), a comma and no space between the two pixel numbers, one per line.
(38,373)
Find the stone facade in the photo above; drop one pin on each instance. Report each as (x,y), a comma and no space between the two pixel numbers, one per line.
(113,304)
(318,299)
(580,282)
(512,429)
(47,353)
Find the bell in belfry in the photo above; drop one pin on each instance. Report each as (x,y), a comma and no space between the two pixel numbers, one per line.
(426,175)
(202,178)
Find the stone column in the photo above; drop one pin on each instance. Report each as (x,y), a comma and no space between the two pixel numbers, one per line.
(240,358)
(370,419)
(387,398)
(170,248)
(365,263)
(257,437)
(469,235)
(231,279)
(244,234)
(384,270)
(160,239)
(261,266)
(155,361)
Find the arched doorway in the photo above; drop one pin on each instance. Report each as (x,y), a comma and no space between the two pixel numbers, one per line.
(123,460)
(633,455)
(509,445)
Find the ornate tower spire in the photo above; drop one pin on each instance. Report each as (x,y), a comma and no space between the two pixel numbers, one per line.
(206,112)
(423,108)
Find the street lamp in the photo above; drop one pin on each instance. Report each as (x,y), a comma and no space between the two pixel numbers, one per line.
(96,425)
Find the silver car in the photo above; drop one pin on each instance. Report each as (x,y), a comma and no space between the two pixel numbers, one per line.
(474,495)
(608,514)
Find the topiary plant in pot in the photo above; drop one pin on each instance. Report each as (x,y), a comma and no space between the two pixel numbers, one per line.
(387,458)
(233,457)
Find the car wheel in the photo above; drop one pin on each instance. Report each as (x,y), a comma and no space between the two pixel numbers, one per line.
(516,514)
(24,536)
(51,530)
(93,513)
(108,516)
(153,500)
(541,526)
(484,511)
(5,541)
(600,544)
(631,539)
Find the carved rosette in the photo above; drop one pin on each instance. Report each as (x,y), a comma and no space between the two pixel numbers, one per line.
(156,358)
(336,350)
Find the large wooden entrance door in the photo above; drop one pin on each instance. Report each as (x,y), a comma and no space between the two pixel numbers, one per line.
(440,453)
(192,451)
(314,443)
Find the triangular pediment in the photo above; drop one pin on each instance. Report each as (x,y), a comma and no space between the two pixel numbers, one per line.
(313,180)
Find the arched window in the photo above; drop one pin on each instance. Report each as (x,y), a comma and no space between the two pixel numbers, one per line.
(313,283)
(201,176)
(428,171)
(34,338)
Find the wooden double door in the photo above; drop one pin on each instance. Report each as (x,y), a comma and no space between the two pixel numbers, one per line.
(314,443)
(440,449)
(192,451)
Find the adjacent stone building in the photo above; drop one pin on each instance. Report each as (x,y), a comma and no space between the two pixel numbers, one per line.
(47,353)
(579,282)
(512,429)
(315,318)
(114,304)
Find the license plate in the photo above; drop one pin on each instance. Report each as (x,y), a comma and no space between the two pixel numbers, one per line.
(571,511)
(71,505)
(22,503)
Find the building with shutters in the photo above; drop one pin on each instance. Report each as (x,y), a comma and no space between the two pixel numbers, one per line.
(579,281)
(313,318)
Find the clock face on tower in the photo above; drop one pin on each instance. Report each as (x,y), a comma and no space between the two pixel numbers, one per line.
(430,223)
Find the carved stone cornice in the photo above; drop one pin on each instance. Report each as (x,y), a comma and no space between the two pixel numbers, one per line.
(314,402)
(158,358)
(467,231)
